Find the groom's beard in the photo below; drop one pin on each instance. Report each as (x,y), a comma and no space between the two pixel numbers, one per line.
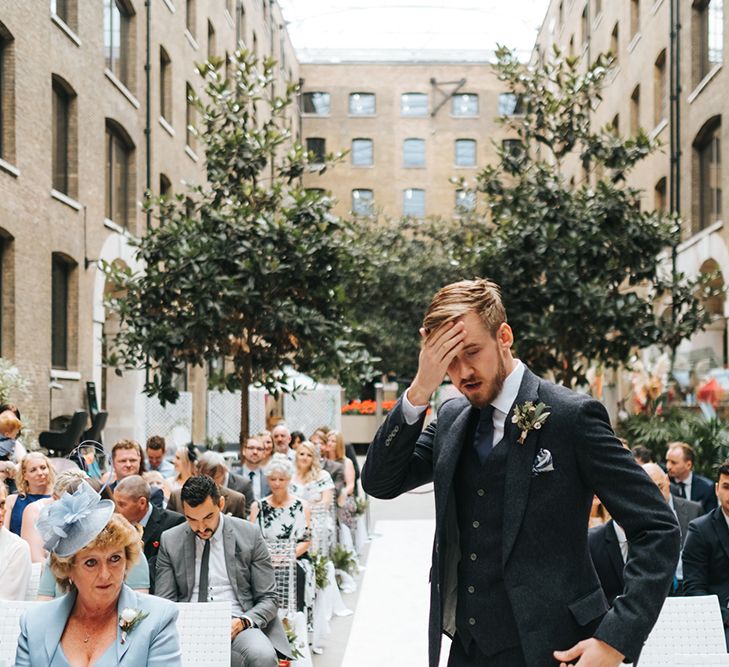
(490,389)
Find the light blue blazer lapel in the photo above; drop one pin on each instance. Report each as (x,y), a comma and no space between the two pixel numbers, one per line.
(188,558)
(127,600)
(56,623)
(519,460)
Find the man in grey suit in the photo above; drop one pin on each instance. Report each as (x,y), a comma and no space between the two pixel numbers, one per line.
(515,463)
(217,557)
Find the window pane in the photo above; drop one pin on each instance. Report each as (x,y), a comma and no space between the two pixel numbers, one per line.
(715,31)
(189,117)
(59,314)
(465,105)
(363,202)
(414,104)
(316,103)
(414,203)
(120,176)
(317,146)
(413,153)
(362,104)
(60,139)
(465,152)
(710,180)
(108,212)
(509,105)
(362,152)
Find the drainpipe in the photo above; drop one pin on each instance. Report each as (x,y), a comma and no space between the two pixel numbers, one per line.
(148,93)
(675,135)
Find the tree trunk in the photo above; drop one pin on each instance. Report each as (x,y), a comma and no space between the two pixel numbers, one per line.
(246,376)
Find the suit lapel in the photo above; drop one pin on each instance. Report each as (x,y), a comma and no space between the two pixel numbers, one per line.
(450,451)
(127,600)
(721,528)
(189,560)
(519,460)
(56,625)
(229,549)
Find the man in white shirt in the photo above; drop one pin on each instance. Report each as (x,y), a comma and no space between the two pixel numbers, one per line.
(213,557)
(252,469)
(15,559)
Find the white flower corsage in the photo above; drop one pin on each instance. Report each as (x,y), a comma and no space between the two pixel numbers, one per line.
(529,417)
(128,620)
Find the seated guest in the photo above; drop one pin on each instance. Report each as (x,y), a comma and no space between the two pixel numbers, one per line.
(296,438)
(334,468)
(127,459)
(283,516)
(705,554)
(252,455)
(68,480)
(264,437)
(185,466)
(282,440)
(9,429)
(156,451)
(234,503)
(100,620)
(131,497)
(217,557)
(310,482)
(156,481)
(685,483)
(15,559)
(609,551)
(334,450)
(34,480)
(213,465)
(642,455)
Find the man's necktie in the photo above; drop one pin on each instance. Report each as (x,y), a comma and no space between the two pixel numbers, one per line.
(682,489)
(202,593)
(484,439)
(251,475)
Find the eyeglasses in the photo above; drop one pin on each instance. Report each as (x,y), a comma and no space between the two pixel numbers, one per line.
(255,449)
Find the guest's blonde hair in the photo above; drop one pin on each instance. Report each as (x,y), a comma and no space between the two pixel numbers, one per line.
(117,534)
(22,484)
(312,474)
(339,447)
(9,423)
(479,296)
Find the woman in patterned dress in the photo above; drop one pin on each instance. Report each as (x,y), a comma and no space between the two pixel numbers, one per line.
(283,516)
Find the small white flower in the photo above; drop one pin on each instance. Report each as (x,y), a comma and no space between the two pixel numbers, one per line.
(538,425)
(128,615)
(514,419)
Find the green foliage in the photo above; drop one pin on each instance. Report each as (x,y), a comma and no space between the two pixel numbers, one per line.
(578,263)
(248,265)
(360,505)
(319,561)
(13,386)
(343,559)
(710,438)
(293,639)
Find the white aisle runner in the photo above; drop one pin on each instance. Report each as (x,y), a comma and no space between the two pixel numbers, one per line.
(390,626)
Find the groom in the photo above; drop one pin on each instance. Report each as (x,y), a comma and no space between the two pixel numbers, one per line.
(512,582)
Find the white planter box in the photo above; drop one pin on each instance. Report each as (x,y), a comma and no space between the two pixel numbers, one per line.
(359,428)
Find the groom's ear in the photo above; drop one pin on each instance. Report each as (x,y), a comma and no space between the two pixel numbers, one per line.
(504,335)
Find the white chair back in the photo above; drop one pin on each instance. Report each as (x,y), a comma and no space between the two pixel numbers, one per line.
(12,610)
(204,630)
(686,626)
(283,559)
(34,582)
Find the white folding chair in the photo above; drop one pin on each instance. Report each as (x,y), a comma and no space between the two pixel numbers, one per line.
(204,629)
(686,626)
(322,530)
(34,582)
(283,558)
(12,610)
(708,660)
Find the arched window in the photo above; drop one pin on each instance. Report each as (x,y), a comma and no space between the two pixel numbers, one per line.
(65,138)
(707,172)
(7,95)
(119,174)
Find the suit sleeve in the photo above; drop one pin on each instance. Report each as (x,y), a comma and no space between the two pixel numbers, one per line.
(247,491)
(636,504)
(165,585)
(400,457)
(22,652)
(263,584)
(164,650)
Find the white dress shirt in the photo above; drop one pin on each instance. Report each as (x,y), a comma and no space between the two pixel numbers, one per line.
(687,485)
(219,587)
(143,521)
(255,480)
(16,566)
(679,566)
(622,540)
(501,404)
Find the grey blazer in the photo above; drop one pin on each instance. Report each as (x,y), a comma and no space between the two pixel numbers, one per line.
(249,570)
(686,512)
(550,580)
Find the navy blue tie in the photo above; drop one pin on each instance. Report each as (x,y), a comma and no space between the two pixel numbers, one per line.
(484,439)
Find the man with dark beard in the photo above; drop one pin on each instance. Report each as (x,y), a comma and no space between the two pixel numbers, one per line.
(515,463)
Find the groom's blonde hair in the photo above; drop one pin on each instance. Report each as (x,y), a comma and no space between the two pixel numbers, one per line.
(479,296)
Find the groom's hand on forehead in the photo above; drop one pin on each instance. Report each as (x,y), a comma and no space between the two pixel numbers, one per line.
(428,335)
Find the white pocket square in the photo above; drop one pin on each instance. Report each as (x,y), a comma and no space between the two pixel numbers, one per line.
(542,462)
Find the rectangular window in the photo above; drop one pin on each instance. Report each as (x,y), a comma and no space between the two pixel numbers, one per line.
(116,39)
(190,16)
(634,17)
(509,105)
(598,8)
(465,104)
(165,85)
(413,104)
(635,111)
(413,153)
(118,157)
(711,21)
(60,9)
(317,147)
(585,26)
(363,202)
(615,43)
(59,312)
(240,24)
(660,195)
(660,89)
(316,103)
(710,179)
(190,118)
(362,104)
(211,41)
(413,203)
(61,129)
(362,152)
(465,152)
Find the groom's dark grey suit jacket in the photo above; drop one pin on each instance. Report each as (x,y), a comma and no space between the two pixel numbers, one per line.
(551,583)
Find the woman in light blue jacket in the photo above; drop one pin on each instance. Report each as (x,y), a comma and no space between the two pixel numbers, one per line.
(100,621)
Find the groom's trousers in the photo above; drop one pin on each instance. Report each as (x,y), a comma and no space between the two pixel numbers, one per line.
(511,657)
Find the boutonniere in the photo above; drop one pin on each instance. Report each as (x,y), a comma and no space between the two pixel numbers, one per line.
(529,417)
(155,544)
(128,620)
